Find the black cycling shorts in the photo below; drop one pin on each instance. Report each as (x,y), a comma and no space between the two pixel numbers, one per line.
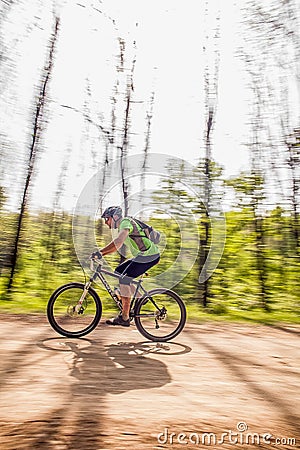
(135,267)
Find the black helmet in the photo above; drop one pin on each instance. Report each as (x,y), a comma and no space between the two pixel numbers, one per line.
(112,211)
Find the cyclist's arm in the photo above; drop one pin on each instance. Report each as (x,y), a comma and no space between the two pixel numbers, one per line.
(114,245)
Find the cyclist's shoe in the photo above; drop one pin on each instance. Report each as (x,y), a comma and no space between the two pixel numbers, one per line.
(119,321)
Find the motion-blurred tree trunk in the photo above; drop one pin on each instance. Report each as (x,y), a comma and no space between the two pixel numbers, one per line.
(146,153)
(273,42)
(287,27)
(205,221)
(211,79)
(258,168)
(57,209)
(124,146)
(123,160)
(293,145)
(109,141)
(38,121)
(5,7)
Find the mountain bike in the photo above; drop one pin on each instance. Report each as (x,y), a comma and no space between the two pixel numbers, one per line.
(75,309)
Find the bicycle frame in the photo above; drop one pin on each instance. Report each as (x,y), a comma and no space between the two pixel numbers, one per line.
(75,309)
(98,273)
(71,302)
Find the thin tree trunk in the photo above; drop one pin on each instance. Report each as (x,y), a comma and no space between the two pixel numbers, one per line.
(258,191)
(261,260)
(56,217)
(293,162)
(206,218)
(211,95)
(123,161)
(37,127)
(124,148)
(146,151)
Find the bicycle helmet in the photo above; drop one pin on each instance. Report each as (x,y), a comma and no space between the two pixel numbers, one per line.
(112,211)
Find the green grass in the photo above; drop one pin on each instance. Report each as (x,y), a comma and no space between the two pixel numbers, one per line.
(196,313)
(31,294)
(35,302)
(47,260)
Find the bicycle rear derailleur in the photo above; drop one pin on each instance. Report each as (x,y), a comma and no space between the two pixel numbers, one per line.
(160,315)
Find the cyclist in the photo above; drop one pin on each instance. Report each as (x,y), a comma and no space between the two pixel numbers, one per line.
(145,255)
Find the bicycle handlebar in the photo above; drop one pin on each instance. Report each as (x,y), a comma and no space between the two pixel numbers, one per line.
(96,257)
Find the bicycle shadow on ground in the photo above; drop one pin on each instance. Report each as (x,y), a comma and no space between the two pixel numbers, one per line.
(136,365)
(115,368)
(55,389)
(89,371)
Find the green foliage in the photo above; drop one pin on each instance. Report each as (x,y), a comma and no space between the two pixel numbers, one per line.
(47,260)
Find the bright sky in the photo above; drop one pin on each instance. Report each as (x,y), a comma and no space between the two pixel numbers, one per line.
(170,60)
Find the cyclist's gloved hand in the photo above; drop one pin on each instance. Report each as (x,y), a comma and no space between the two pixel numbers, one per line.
(96,255)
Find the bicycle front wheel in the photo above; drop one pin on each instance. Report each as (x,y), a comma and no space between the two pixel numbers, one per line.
(67,317)
(160,315)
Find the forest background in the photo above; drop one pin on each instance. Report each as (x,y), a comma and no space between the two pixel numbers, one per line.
(84,84)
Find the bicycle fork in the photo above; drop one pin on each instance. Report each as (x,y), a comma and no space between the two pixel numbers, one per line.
(78,308)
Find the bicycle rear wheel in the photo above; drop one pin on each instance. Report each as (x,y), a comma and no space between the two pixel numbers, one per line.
(160,315)
(63,315)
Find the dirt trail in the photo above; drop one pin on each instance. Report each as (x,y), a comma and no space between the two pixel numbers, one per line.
(113,390)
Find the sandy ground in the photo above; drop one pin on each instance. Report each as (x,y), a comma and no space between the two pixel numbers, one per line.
(215,386)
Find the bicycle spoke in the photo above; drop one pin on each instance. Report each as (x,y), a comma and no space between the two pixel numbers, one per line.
(69,316)
(161,315)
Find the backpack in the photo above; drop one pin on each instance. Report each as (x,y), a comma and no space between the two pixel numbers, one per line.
(149,232)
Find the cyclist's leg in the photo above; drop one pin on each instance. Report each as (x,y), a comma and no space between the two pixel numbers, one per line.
(139,268)
(125,290)
(125,287)
(135,267)
(132,291)
(141,264)
(130,269)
